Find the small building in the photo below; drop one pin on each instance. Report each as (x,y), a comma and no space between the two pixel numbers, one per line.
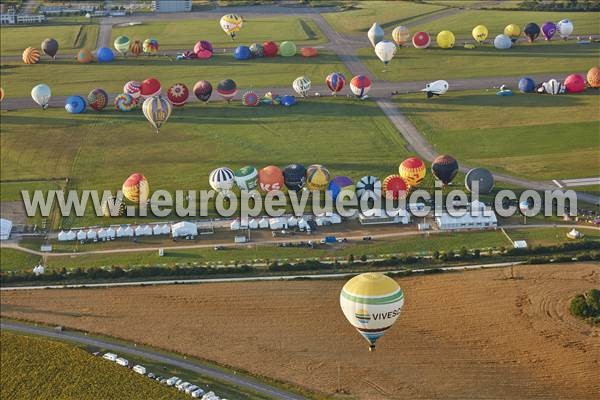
(574,234)
(17,19)
(472,219)
(380,216)
(66,236)
(520,244)
(183,229)
(125,231)
(5,228)
(169,6)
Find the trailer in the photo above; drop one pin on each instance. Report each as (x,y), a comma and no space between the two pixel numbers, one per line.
(140,369)
(110,356)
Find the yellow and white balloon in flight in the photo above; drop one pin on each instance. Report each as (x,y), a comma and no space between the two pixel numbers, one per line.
(371,302)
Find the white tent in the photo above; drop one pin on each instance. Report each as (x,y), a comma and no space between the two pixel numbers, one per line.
(302,224)
(381,216)
(91,234)
(161,229)
(253,224)
(184,228)
(111,233)
(143,230)
(470,220)
(5,228)
(101,233)
(263,223)
(278,223)
(235,225)
(292,221)
(574,234)
(39,270)
(244,223)
(125,231)
(66,236)
(335,218)
(81,235)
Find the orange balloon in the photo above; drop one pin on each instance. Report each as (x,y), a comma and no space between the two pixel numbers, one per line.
(31,55)
(136,48)
(308,52)
(593,77)
(270,178)
(84,56)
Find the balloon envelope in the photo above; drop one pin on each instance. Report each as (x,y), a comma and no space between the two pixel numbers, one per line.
(84,56)
(502,42)
(150,87)
(50,47)
(246,178)
(335,82)
(294,176)
(105,54)
(288,100)
(532,31)
(421,40)
(412,170)
(150,46)
(301,85)
(480,176)
(513,31)
(41,95)
(385,50)
(221,179)
(375,34)
(157,111)
(395,187)
(593,77)
(339,183)
(445,39)
(75,104)
(231,24)
(270,49)
(256,50)
(368,186)
(401,35)
(444,168)
(133,88)
(360,85)
(121,44)
(227,88)
(178,94)
(565,28)
(287,49)
(136,188)
(242,53)
(526,85)
(575,83)
(203,90)
(317,177)
(98,99)
(480,33)
(371,302)
(270,178)
(250,99)
(548,30)
(125,102)
(31,55)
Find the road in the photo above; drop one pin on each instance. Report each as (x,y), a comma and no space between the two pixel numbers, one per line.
(149,354)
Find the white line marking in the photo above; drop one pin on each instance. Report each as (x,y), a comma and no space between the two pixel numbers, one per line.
(557,184)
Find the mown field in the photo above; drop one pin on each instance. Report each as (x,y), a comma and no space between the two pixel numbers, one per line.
(182,34)
(528,135)
(34,368)
(71,37)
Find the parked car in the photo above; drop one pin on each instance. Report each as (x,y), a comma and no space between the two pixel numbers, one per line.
(182,386)
(197,393)
(190,389)
(172,381)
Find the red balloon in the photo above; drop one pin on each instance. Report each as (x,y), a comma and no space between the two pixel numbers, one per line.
(395,187)
(270,49)
(270,178)
(575,83)
(150,87)
(421,40)
(178,94)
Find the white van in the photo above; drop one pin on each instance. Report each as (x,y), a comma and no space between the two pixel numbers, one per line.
(140,369)
(110,356)
(171,381)
(197,393)
(190,389)
(122,361)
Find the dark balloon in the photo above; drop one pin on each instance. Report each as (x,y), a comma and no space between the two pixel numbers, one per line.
(526,85)
(256,50)
(242,53)
(483,177)
(227,88)
(444,168)
(203,90)
(532,31)
(97,99)
(294,176)
(50,47)
(288,100)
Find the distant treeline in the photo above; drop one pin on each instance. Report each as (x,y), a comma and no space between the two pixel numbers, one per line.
(560,5)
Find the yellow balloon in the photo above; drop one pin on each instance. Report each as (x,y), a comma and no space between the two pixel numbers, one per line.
(512,31)
(445,39)
(480,33)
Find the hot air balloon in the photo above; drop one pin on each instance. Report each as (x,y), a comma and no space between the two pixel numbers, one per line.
(222,180)
(75,104)
(121,44)
(368,186)
(532,31)
(104,55)
(256,50)
(526,85)
(360,85)
(502,42)
(227,88)
(575,83)
(288,100)
(150,46)
(150,87)
(31,55)
(270,49)
(294,177)
(113,207)
(133,88)
(401,35)
(483,177)
(203,90)
(317,177)
(375,34)
(136,48)
(178,94)
(553,87)
(395,187)
(308,52)
(41,95)
(136,188)
(203,49)
(548,30)
(270,178)
(242,53)
(231,24)
(98,99)
(84,56)
(157,111)
(1,94)
(371,302)
(271,99)
(436,88)
(125,102)
(564,28)
(480,33)
(412,170)
(246,178)
(250,99)
(339,184)
(444,168)
(421,40)
(593,77)
(385,50)
(513,31)
(301,85)
(287,49)
(445,39)
(50,47)
(335,82)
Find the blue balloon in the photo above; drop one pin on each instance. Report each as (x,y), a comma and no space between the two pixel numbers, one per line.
(105,54)
(75,105)
(288,100)
(526,85)
(242,53)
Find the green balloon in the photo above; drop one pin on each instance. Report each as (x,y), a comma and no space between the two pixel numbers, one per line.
(287,49)
(122,44)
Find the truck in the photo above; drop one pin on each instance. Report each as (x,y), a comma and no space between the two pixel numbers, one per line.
(240,239)
(110,356)
(329,240)
(140,369)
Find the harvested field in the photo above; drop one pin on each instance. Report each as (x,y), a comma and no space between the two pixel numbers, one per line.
(462,335)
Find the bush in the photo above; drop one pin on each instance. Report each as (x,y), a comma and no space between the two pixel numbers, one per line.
(587,306)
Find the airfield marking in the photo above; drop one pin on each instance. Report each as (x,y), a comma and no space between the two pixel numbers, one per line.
(557,184)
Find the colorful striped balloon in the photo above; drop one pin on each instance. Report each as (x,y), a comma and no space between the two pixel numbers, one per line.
(31,55)
(157,111)
(317,177)
(371,302)
(360,85)
(136,188)
(124,102)
(335,82)
(413,171)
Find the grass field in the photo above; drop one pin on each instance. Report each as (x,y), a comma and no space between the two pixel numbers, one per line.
(70,37)
(527,135)
(13,260)
(67,77)
(182,34)
(412,64)
(41,368)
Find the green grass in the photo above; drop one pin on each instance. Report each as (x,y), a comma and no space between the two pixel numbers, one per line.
(15,39)
(35,367)
(533,136)
(183,34)
(16,260)
(470,3)
(67,77)
(550,236)
(98,151)
(412,64)
(386,13)
(461,24)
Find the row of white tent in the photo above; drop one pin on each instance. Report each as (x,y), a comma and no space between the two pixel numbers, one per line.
(178,229)
(284,222)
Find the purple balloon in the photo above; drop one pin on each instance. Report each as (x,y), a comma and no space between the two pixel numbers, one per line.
(548,30)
